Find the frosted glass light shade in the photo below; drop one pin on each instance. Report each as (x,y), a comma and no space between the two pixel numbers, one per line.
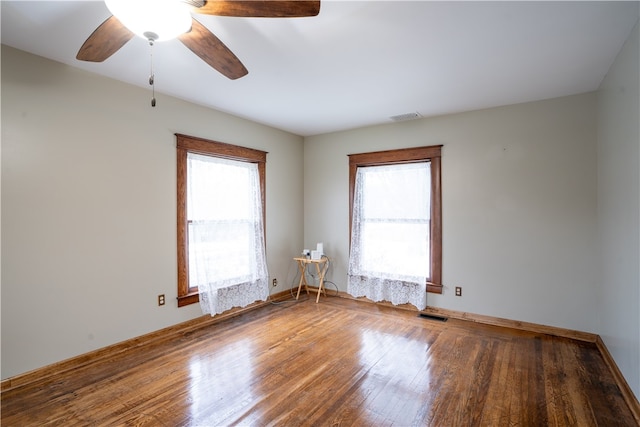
(165,18)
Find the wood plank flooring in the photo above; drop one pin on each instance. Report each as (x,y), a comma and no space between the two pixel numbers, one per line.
(337,363)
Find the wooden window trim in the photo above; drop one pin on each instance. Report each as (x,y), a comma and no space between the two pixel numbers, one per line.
(190,144)
(430,153)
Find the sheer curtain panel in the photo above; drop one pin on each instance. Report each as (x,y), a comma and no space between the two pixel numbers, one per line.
(390,255)
(227,259)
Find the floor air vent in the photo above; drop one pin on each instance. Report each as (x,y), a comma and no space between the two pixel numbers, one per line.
(432,317)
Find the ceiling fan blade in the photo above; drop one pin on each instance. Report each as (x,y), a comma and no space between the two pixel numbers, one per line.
(260,8)
(211,50)
(110,36)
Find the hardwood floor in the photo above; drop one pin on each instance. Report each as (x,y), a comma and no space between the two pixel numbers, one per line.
(337,363)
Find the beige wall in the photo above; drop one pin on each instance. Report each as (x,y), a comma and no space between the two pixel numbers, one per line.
(619,210)
(519,206)
(89,207)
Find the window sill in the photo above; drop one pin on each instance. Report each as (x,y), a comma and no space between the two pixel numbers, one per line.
(188,299)
(434,288)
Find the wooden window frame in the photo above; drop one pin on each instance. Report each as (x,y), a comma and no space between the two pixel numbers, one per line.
(431,154)
(189,144)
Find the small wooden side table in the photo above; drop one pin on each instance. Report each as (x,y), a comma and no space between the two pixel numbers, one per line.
(302,264)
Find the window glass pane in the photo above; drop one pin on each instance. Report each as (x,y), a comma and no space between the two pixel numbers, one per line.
(218,189)
(397,191)
(223,247)
(389,248)
(394,220)
(222,217)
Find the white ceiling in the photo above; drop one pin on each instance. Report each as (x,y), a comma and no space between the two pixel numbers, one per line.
(358,62)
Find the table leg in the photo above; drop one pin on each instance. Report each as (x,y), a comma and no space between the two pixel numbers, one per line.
(321,281)
(302,265)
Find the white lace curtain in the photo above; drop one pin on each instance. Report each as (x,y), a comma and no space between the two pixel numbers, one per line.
(389,257)
(227,259)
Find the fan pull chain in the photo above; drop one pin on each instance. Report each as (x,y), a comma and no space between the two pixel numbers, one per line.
(151,75)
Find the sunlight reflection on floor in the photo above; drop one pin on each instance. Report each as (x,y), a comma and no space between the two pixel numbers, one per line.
(224,375)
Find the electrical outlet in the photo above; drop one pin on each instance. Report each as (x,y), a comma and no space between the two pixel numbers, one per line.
(161,299)
(458,291)
(275,282)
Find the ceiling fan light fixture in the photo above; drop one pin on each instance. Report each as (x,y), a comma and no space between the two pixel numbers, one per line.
(165,18)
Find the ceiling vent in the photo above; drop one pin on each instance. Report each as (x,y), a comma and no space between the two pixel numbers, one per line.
(405,117)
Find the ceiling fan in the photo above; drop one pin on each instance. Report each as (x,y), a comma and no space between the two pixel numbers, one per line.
(113,33)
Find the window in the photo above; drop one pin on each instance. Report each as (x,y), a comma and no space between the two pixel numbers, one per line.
(396,198)
(220,223)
